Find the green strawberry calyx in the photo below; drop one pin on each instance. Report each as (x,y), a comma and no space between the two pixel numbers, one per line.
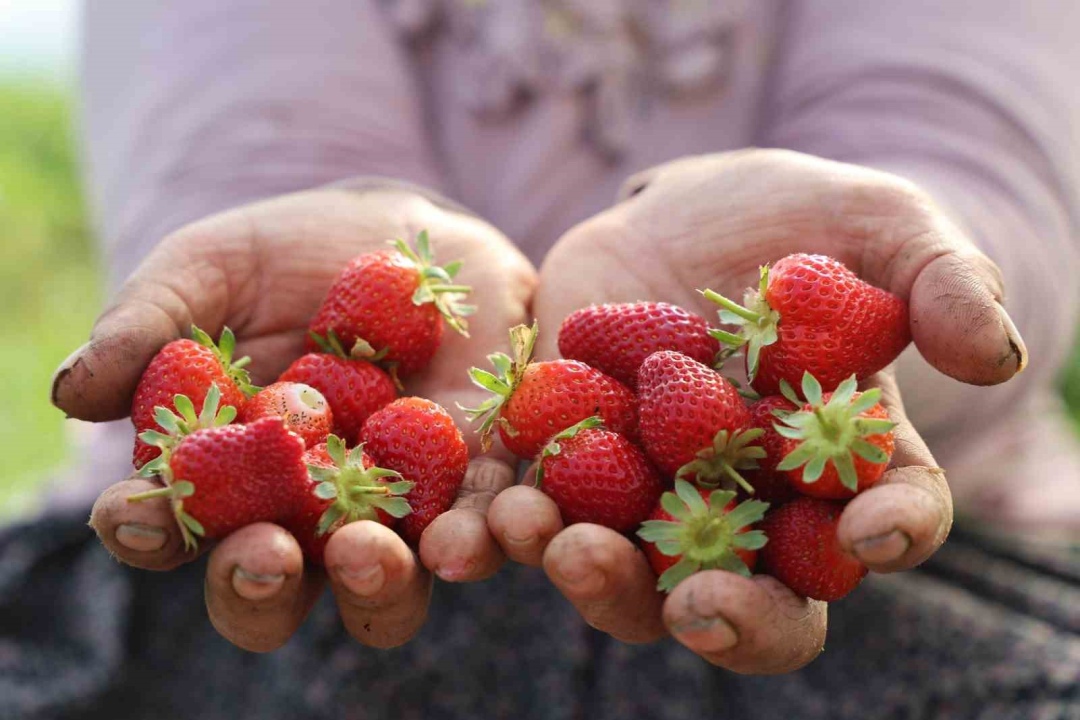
(703,535)
(361,350)
(756,321)
(719,464)
(176,426)
(437,284)
(832,432)
(223,350)
(509,369)
(554,448)
(355,491)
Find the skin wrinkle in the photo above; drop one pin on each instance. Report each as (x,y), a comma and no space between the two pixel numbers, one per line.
(254,274)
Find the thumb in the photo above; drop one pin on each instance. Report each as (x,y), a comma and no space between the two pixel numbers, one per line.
(955,296)
(172,289)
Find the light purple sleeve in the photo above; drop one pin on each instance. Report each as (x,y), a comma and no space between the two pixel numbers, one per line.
(195,106)
(978,103)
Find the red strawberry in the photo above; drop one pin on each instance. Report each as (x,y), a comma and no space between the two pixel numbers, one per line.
(696,529)
(302,407)
(189,368)
(419,439)
(345,486)
(598,476)
(769,484)
(220,479)
(617,338)
(693,421)
(803,552)
(812,314)
(391,305)
(839,444)
(534,401)
(353,388)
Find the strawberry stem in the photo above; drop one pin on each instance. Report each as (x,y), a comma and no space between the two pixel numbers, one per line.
(732,306)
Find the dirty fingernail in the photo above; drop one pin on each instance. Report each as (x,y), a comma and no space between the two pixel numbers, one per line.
(882,548)
(713,634)
(1017,349)
(256,586)
(63,371)
(141,538)
(363,579)
(582,578)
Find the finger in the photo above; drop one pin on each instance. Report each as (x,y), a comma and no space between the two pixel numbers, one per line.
(906,516)
(458,546)
(176,285)
(608,580)
(257,593)
(954,291)
(141,534)
(523,521)
(747,625)
(382,590)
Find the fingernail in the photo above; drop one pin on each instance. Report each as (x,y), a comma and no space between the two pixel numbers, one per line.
(519,541)
(141,538)
(713,634)
(882,548)
(582,578)
(363,579)
(63,371)
(1017,350)
(455,572)
(256,586)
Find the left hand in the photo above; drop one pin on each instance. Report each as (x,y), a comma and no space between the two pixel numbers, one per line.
(710,221)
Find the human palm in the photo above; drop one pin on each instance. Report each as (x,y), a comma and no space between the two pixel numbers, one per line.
(709,222)
(263,270)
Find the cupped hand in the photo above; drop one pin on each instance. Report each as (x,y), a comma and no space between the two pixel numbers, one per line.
(709,222)
(263,270)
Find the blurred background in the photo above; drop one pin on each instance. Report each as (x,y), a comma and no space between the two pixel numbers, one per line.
(49,288)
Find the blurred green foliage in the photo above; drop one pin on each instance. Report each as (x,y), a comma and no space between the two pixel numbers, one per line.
(49,286)
(48,278)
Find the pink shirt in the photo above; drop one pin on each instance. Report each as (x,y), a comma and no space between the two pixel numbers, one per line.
(532,113)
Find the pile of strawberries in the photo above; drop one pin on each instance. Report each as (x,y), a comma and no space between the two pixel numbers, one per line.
(635,430)
(330,442)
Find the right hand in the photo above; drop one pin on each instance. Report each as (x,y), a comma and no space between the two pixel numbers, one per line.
(263,270)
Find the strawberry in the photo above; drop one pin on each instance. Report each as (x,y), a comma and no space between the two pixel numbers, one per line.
(353,388)
(390,306)
(534,401)
(302,407)
(187,367)
(419,439)
(769,484)
(838,444)
(696,529)
(598,476)
(344,486)
(693,421)
(616,338)
(221,478)
(812,314)
(803,552)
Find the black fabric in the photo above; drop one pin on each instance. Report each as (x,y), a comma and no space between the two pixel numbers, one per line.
(984,631)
